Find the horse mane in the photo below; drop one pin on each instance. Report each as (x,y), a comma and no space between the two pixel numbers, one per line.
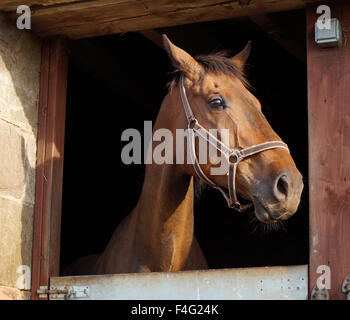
(219,62)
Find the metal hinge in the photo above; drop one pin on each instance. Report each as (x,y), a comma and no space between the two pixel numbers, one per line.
(346,287)
(319,294)
(63,293)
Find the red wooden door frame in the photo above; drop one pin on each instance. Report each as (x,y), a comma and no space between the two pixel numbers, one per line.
(329,153)
(49,167)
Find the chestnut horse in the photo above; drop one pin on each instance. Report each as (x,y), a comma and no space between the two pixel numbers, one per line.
(158,234)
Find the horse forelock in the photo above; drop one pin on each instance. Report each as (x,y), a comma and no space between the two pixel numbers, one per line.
(217,63)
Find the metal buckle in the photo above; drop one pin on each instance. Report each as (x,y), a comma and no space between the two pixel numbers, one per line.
(192,122)
(236,205)
(235,153)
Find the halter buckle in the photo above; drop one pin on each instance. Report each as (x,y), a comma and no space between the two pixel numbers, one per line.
(192,122)
(235,156)
(236,205)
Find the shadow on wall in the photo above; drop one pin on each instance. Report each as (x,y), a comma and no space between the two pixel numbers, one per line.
(19,98)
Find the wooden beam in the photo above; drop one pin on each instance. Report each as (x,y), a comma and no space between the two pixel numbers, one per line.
(275,33)
(329,154)
(49,168)
(95,18)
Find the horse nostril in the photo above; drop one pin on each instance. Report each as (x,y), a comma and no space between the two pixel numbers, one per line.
(281,187)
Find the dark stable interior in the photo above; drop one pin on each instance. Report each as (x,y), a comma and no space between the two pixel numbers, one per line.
(117,82)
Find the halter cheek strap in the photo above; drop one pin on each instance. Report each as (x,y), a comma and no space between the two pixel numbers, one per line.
(233,156)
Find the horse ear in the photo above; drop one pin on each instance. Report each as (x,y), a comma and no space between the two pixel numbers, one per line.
(181,59)
(240,59)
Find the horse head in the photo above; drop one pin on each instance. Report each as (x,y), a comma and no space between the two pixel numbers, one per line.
(219,97)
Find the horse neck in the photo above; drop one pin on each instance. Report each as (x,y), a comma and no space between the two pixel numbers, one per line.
(165,207)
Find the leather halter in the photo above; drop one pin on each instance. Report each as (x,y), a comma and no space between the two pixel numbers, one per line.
(237,155)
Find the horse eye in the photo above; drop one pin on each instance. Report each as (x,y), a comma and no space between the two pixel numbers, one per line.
(217,103)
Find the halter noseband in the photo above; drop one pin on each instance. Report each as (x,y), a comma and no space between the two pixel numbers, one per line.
(239,155)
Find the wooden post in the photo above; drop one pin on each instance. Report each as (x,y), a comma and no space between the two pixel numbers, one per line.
(329,153)
(49,168)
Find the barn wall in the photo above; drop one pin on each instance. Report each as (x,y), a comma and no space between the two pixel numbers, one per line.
(19,94)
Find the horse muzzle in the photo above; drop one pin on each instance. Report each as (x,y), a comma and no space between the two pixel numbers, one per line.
(279,200)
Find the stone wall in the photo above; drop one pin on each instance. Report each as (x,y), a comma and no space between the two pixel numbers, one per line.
(19,96)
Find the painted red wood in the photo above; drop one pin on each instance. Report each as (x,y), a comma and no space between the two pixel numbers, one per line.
(49,168)
(329,153)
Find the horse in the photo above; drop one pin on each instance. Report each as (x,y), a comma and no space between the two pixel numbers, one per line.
(158,235)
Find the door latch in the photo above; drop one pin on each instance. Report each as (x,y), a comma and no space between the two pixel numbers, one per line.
(63,293)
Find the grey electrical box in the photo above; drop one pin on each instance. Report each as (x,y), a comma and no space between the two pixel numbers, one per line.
(331,37)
